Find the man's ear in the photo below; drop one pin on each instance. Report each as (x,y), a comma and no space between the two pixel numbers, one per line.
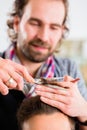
(16,22)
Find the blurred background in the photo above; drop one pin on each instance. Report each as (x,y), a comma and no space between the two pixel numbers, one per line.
(75,44)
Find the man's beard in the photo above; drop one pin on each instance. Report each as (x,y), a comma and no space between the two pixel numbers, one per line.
(35,56)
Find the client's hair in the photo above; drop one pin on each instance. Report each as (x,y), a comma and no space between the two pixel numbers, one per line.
(34,106)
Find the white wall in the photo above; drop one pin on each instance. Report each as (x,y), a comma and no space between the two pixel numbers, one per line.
(5,7)
(77,20)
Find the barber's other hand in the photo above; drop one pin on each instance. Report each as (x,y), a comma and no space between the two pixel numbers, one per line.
(68,100)
(11,76)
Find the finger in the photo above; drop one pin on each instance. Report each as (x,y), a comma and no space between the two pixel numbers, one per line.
(68,78)
(65,84)
(17,68)
(23,71)
(5,78)
(61,106)
(58,90)
(10,73)
(55,97)
(18,79)
(11,83)
(3,88)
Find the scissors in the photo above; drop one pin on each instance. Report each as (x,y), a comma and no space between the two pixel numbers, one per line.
(30,87)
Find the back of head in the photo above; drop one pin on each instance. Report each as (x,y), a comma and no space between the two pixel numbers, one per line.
(33,106)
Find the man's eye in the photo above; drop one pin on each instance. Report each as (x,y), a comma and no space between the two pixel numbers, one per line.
(34,23)
(55,28)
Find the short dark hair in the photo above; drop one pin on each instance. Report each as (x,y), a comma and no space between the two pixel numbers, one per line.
(34,106)
(18,10)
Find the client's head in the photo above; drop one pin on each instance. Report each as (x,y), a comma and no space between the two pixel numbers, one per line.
(33,114)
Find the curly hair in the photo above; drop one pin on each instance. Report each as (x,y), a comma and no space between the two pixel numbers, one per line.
(18,10)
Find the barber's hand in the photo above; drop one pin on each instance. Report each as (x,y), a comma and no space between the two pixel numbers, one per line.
(11,76)
(68,100)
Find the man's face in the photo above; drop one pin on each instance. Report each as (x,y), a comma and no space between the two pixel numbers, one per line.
(55,121)
(40,29)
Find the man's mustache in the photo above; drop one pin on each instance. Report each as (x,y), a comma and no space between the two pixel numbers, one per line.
(39,43)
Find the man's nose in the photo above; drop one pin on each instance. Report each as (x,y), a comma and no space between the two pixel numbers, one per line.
(43,34)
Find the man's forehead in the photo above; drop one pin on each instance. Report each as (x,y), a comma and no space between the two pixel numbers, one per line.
(45,9)
(35,3)
(56,120)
